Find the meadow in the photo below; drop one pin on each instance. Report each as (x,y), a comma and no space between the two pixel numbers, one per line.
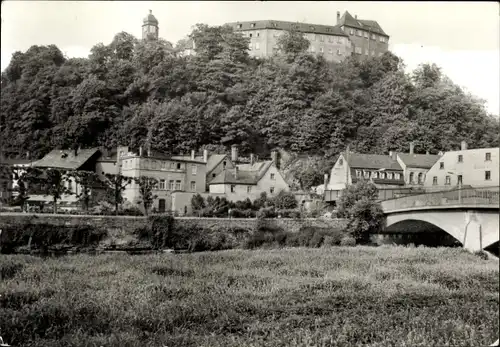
(331,296)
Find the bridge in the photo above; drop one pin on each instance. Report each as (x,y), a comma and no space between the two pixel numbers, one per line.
(469,215)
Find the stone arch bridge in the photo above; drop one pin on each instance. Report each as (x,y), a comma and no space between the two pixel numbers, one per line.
(469,215)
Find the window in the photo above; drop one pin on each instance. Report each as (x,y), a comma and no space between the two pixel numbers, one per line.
(351,31)
(488,156)
(258,34)
(434,181)
(441,166)
(249,189)
(194,169)
(338,52)
(250,35)
(375,174)
(382,39)
(162,184)
(239,26)
(460,158)
(412,177)
(358,32)
(366,174)
(339,39)
(366,34)
(177,185)
(271,190)
(178,166)
(357,50)
(272,176)
(257,45)
(487,175)
(233,188)
(420,178)
(382,175)
(358,173)
(374,37)
(330,39)
(171,185)
(224,164)
(153,164)
(321,49)
(460,180)
(447,180)
(193,186)
(321,38)
(252,25)
(341,162)
(397,176)
(213,175)
(389,175)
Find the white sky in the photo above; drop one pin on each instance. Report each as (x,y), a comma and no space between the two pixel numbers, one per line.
(461,37)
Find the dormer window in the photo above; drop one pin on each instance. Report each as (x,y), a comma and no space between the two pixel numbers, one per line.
(252,25)
(312,28)
(239,26)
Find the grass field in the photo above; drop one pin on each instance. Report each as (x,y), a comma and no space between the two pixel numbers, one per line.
(387,296)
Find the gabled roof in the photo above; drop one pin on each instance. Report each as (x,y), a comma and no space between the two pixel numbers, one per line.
(66,159)
(214,160)
(423,161)
(244,175)
(364,24)
(282,25)
(371,161)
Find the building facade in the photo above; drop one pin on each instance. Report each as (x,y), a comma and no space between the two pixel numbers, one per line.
(329,41)
(367,37)
(415,166)
(466,167)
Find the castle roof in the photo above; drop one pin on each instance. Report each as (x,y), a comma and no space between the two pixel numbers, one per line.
(282,25)
(363,24)
(150,19)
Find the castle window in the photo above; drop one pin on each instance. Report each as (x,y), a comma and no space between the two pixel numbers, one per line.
(178,166)
(460,158)
(171,185)
(194,169)
(252,25)
(321,49)
(239,26)
(177,185)
(162,184)
(389,175)
(488,157)
(351,31)
(193,186)
(338,52)
(487,175)
(321,38)
(397,176)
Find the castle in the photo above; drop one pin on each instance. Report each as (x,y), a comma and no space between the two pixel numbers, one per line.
(350,36)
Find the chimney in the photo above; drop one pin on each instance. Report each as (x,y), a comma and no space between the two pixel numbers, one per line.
(325,180)
(28,155)
(140,151)
(463,145)
(252,159)
(205,155)
(338,17)
(235,172)
(149,150)
(393,155)
(234,153)
(192,154)
(275,158)
(440,153)
(412,147)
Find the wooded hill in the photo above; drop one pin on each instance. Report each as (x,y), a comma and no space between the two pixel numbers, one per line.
(136,93)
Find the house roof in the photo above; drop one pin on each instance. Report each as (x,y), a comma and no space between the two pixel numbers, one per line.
(423,161)
(282,25)
(364,24)
(214,160)
(247,174)
(187,158)
(371,161)
(66,159)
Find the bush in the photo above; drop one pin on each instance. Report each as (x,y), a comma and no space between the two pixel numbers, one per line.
(285,200)
(266,212)
(248,213)
(295,214)
(348,241)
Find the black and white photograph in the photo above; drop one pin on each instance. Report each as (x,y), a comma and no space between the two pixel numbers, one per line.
(249,174)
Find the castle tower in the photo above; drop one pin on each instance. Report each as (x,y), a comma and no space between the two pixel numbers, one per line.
(150,27)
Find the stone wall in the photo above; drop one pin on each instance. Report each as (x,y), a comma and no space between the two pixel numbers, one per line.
(127,224)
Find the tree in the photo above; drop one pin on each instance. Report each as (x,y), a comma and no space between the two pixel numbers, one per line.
(49,181)
(116,184)
(285,201)
(146,187)
(86,180)
(292,42)
(197,203)
(358,203)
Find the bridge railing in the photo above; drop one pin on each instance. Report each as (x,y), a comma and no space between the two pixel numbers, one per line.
(488,196)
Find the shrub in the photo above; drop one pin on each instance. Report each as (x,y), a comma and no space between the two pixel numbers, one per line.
(295,214)
(285,200)
(266,212)
(348,241)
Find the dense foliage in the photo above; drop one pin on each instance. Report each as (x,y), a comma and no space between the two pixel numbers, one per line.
(147,93)
(359,204)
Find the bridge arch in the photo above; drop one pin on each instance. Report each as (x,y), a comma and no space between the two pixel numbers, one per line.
(421,232)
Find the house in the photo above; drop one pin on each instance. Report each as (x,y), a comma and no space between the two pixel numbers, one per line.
(325,40)
(383,170)
(249,180)
(366,36)
(465,167)
(8,184)
(415,166)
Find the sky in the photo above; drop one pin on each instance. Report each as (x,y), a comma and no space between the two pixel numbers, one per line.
(463,38)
